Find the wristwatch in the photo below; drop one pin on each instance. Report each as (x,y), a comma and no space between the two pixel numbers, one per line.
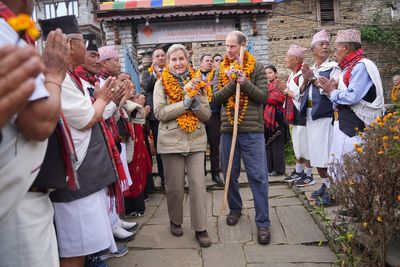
(313,79)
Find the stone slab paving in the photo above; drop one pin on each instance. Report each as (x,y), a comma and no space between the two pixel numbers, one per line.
(224,255)
(294,241)
(159,258)
(288,254)
(299,227)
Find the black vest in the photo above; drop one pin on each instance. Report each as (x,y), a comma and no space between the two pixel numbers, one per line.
(322,106)
(95,173)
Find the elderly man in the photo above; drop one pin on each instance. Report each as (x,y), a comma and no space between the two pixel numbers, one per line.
(250,140)
(357,98)
(87,73)
(80,213)
(26,214)
(207,72)
(317,109)
(149,78)
(294,60)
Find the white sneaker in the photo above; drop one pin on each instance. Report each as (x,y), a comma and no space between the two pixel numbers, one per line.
(121,235)
(129,226)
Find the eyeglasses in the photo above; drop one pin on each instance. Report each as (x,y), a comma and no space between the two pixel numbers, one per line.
(84,41)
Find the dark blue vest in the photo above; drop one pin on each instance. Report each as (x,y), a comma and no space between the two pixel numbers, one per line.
(322,107)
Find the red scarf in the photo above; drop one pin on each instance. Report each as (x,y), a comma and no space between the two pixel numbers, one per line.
(140,166)
(6,14)
(86,75)
(350,61)
(289,105)
(275,101)
(114,189)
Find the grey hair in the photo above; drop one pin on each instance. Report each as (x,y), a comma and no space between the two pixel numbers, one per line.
(396,78)
(175,47)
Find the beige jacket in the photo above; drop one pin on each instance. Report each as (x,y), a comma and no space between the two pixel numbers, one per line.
(171,138)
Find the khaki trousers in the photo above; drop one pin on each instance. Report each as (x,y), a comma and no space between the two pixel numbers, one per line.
(174,173)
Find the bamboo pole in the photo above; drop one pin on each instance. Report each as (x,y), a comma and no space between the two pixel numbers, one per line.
(234,137)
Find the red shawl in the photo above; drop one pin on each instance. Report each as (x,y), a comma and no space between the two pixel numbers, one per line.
(275,101)
(350,61)
(140,166)
(85,75)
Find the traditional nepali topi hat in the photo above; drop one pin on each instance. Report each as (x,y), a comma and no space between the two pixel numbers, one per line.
(67,24)
(92,42)
(321,36)
(348,36)
(296,50)
(107,52)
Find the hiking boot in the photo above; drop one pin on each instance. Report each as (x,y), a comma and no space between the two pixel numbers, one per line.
(294,176)
(263,235)
(307,181)
(233,218)
(319,192)
(203,238)
(176,229)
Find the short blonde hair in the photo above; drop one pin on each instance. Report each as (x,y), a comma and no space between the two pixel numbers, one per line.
(175,47)
(396,79)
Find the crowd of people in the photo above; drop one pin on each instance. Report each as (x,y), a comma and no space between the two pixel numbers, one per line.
(75,151)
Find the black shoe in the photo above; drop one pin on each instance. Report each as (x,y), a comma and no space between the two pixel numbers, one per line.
(203,238)
(320,192)
(233,218)
(309,180)
(263,235)
(215,177)
(294,176)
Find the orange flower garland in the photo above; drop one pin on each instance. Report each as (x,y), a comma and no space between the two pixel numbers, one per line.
(151,71)
(208,86)
(24,24)
(188,121)
(249,63)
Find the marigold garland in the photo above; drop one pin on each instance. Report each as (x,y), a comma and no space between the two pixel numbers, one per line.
(395,93)
(188,121)
(151,71)
(23,24)
(208,85)
(249,63)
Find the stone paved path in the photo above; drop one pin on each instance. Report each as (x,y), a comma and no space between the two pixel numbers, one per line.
(296,239)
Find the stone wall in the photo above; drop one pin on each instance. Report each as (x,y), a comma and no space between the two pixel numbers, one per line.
(296,21)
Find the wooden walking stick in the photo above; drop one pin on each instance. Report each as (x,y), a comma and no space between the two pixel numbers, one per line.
(234,136)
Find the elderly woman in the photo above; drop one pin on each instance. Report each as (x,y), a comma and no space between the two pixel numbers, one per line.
(181,105)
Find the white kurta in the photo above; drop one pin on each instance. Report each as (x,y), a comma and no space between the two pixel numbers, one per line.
(320,131)
(83,226)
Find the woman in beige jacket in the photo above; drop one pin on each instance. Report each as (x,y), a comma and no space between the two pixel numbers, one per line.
(181,105)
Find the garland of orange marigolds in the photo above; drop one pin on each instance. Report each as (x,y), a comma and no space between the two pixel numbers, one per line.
(151,71)
(249,63)
(208,84)
(188,121)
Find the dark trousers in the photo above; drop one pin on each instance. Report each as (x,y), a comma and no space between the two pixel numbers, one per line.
(276,154)
(213,129)
(251,147)
(134,204)
(154,128)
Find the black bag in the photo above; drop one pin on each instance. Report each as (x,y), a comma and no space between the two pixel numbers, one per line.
(53,173)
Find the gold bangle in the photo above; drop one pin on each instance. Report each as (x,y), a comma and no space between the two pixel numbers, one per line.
(53,82)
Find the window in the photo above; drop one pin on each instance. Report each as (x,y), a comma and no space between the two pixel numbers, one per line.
(59,9)
(327,11)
